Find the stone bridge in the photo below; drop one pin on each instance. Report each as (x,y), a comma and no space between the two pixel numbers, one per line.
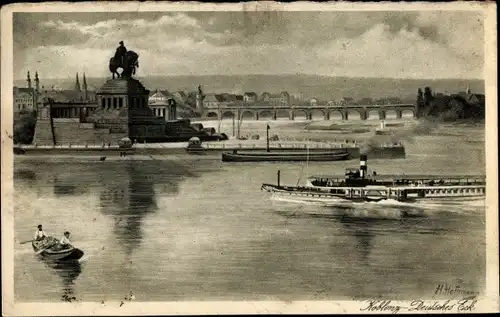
(363,112)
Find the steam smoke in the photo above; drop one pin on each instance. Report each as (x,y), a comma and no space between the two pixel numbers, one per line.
(401,136)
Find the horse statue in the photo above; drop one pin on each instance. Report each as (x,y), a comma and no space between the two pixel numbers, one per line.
(130,63)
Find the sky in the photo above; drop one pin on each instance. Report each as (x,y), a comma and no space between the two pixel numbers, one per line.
(423,45)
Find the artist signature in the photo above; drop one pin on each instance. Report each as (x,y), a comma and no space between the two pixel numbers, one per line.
(454,291)
(462,305)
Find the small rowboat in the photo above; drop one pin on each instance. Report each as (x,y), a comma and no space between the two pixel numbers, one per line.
(48,249)
(285,157)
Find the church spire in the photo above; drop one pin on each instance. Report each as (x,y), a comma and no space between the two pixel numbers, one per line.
(85,87)
(28,79)
(84,82)
(37,82)
(77,83)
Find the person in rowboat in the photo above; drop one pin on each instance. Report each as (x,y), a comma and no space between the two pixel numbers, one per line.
(65,243)
(40,234)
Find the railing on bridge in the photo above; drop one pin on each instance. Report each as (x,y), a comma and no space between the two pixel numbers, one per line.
(327,106)
(365,111)
(207,145)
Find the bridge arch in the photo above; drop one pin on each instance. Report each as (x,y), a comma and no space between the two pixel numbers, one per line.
(391,114)
(282,114)
(354,114)
(228,114)
(212,115)
(374,114)
(265,114)
(336,115)
(248,114)
(408,113)
(300,114)
(317,114)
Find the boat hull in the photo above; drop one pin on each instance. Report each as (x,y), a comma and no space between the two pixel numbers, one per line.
(70,254)
(308,194)
(284,157)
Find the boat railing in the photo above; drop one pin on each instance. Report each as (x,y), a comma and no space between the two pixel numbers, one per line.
(274,145)
(331,182)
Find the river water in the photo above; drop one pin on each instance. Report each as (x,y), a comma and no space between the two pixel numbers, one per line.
(193,228)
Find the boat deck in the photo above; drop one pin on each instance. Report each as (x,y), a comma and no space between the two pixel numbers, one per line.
(401,193)
(400,180)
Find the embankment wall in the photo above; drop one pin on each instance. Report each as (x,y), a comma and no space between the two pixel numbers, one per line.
(72,131)
(373,153)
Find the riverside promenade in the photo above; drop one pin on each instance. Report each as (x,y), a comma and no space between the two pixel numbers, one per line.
(180,147)
(166,150)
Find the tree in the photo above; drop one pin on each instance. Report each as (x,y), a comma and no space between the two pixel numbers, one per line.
(24,128)
(191,99)
(420,101)
(427,96)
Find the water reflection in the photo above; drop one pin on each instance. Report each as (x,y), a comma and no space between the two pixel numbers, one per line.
(128,196)
(62,188)
(68,272)
(24,175)
(363,232)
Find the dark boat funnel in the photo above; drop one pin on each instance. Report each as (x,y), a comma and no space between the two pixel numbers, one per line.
(363,167)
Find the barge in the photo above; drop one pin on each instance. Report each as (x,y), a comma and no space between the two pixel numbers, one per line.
(285,156)
(358,186)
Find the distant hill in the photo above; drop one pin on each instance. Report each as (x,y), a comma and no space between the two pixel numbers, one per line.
(324,88)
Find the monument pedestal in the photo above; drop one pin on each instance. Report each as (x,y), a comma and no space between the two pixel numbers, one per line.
(123,106)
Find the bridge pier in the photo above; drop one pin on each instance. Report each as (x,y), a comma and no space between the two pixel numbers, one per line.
(399,114)
(327,115)
(363,115)
(381,115)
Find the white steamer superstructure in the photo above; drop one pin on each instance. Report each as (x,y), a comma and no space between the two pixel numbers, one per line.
(357,185)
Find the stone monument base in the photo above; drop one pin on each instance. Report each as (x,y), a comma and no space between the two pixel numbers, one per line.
(72,131)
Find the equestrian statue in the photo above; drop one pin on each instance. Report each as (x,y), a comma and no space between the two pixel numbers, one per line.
(128,61)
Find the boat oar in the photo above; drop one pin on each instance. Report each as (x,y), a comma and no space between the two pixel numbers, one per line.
(24,242)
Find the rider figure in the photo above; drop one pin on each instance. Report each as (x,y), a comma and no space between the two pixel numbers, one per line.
(120,53)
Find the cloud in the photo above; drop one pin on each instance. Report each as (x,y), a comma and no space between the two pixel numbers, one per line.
(382,44)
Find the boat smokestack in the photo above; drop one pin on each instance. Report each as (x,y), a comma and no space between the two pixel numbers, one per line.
(362,165)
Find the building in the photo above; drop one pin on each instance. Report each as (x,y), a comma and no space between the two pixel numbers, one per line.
(250,97)
(297,97)
(281,99)
(216,101)
(313,102)
(24,100)
(163,105)
(265,96)
(79,93)
(475,99)
(180,97)
(345,101)
(232,97)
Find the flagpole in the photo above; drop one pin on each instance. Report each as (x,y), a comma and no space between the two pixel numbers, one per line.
(267,137)
(307,160)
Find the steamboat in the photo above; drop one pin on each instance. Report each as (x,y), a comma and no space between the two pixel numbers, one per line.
(358,186)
